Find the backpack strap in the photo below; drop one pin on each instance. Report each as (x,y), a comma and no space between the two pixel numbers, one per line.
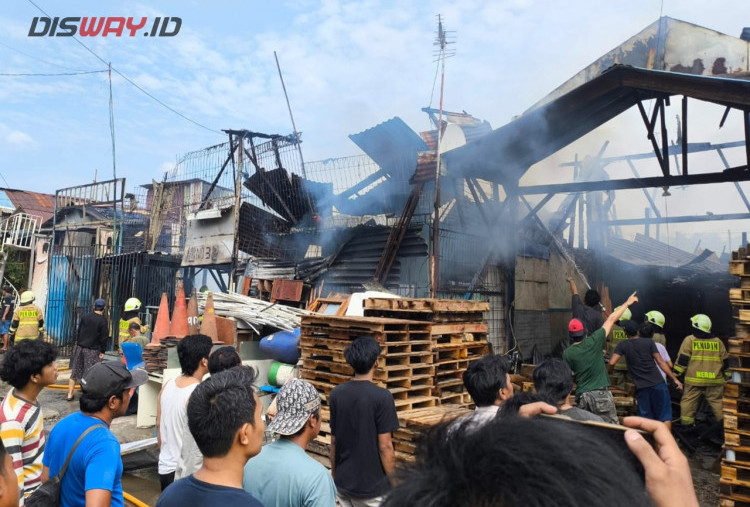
(75,446)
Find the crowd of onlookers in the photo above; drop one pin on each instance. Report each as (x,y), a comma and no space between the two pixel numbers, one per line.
(211,434)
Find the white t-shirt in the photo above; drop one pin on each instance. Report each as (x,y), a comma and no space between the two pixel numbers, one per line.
(665,356)
(173,407)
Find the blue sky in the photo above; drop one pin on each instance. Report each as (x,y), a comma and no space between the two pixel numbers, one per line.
(348,65)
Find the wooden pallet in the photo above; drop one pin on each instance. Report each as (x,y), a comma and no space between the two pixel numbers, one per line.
(738,456)
(739,345)
(737,421)
(359,326)
(319,345)
(732,390)
(737,491)
(737,438)
(427,304)
(736,405)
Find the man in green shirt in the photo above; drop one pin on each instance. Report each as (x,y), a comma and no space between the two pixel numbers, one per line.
(585,359)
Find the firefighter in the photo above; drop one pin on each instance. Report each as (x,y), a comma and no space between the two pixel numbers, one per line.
(704,361)
(28,319)
(619,374)
(129,314)
(657,319)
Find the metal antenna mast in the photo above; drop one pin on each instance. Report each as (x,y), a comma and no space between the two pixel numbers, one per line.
(441,42)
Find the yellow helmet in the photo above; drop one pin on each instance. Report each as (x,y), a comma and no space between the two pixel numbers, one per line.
(27,297)
(701,322)
(626,315)
(656,317)
(132,304)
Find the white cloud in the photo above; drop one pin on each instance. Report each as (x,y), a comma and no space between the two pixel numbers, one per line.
(18,138)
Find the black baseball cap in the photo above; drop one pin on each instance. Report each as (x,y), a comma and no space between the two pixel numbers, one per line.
(111,377)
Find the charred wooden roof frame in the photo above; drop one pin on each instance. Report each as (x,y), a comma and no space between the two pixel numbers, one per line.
(504,155)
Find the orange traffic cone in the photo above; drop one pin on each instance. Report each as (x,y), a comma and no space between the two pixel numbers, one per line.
(179,327)
(192,314)
(208,327)
(161,329)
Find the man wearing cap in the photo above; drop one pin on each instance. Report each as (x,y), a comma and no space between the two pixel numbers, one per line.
(91,343)
(94,473)
(283,475)
(584,357)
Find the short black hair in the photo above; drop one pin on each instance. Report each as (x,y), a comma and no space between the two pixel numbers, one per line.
(93,404)
(517,462)
(25,359)
(222,359)
(362,353)
(553,380)
(630,327)
(134,325)
(591,298)
(646,330)
(485,377)
(511,406)
(190,351)
(219,407)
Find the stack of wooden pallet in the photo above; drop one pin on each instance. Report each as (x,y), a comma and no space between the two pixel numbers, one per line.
(413,422)
(457,331)
(735,468)
(405,366)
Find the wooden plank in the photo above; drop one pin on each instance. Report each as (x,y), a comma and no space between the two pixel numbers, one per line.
(459,328)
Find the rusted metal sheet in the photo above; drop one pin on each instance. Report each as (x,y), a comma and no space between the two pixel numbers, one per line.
(672,45)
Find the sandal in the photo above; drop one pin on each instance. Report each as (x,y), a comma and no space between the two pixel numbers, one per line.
(71,398)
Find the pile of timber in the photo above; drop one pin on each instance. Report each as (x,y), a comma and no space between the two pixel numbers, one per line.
(734,486)
(413,422)
(404,367)
(457,331)
(255,313)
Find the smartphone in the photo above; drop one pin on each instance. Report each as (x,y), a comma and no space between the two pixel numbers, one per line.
(615,434)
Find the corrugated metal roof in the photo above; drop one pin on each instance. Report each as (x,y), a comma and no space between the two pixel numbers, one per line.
(33,203)
(645,251)
(390,143)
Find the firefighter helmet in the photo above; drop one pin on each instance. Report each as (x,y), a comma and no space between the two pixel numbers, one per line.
(626,315)
(701,322)
(132,304)
(27,297)
(656,317)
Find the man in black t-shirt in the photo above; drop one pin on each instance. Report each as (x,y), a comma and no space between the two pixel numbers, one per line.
(363,416)
(642,358)
(6,315)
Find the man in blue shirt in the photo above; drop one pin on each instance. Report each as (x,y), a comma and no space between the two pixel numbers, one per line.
(283,475)
(95,470)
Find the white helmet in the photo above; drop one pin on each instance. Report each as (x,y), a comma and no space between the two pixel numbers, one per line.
(132,304)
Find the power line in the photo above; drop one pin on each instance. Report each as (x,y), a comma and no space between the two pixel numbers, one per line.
(37,58)
(126,78)
(52,74)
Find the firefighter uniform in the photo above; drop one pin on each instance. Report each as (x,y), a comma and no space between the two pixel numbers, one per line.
(704,363)
(619,374)
(28,322)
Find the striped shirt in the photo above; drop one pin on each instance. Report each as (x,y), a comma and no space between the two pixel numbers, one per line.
(22,432)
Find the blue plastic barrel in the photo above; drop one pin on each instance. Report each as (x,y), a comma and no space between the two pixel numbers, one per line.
(282,346)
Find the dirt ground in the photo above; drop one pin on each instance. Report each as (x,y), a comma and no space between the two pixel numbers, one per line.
(704,465)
